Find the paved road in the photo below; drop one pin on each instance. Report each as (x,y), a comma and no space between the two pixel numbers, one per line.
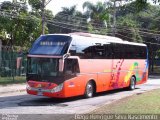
(21,103)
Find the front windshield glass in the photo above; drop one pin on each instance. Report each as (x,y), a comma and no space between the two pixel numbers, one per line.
(47,70)
(43,66)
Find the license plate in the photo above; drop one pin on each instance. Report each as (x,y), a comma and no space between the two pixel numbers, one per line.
(40,93)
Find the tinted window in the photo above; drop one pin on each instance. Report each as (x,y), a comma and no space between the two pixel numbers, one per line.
(109,51)
(93,52)
(124,51)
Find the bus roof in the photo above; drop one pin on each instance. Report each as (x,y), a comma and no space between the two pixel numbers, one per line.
(96,36)
(99,38)
(108,39)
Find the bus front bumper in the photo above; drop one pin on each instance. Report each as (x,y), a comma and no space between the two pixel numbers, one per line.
(56,92)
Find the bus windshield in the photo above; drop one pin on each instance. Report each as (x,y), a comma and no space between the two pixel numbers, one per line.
(51,45)
(43,66)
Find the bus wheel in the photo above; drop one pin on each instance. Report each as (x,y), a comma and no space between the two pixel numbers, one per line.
(132,83)
(89,91)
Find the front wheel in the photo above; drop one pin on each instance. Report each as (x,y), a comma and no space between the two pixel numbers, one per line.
(132,83)
(89,91)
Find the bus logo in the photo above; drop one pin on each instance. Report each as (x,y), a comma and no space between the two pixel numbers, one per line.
(39,86)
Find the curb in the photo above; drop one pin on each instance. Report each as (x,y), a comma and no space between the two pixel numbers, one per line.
(12,88)
(21,90)
(154,76)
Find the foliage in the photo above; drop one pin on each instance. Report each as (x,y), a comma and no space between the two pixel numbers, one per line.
(68,20)
(35,4)
(128,24)
(96,13)
(18,25)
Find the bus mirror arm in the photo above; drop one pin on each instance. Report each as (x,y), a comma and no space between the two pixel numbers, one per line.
(66,55)
(61,62)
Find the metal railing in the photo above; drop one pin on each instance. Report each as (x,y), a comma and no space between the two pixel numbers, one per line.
(12,66)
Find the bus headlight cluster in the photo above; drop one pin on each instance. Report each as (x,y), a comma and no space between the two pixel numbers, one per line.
(57,88)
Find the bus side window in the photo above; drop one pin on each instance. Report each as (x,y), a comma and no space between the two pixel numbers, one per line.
(127,53)
(98,51)
(116,53)
(108,51)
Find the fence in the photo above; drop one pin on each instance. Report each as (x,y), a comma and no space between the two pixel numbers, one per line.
(157,62)
(12,65)
(156,66)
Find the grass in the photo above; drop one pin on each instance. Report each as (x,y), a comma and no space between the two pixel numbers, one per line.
(146,103)
(9,80)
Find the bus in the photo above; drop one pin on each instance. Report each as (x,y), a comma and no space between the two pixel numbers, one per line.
(75,64)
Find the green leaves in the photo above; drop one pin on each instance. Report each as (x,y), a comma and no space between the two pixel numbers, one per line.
(18,24)
(36,4)
(98,15)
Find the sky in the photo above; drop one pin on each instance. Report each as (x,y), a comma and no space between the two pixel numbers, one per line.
(56,5)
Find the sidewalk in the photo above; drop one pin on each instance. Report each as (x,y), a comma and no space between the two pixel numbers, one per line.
(12,88)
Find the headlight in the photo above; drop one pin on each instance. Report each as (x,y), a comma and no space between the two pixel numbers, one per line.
(57,88)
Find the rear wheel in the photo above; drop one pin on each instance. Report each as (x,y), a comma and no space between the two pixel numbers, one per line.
(132,83)
(89,91)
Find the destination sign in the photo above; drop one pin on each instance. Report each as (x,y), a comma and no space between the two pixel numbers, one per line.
(51,43)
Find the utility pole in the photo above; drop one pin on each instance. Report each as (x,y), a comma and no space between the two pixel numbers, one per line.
(43,17)
(44,3)
(114,16)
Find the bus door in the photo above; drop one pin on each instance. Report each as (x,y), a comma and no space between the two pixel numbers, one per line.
(71,74)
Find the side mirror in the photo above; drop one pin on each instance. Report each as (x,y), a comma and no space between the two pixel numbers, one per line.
(61,65)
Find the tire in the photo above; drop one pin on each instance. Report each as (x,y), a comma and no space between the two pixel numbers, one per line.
(89,91)
(132,83)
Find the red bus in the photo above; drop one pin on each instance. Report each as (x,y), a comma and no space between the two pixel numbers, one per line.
(66,65)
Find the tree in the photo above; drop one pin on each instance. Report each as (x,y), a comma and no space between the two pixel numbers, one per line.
(38,9)
(127,29)
(140,4)
(97,14)
(35,4)
(68,20)
(18,24)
